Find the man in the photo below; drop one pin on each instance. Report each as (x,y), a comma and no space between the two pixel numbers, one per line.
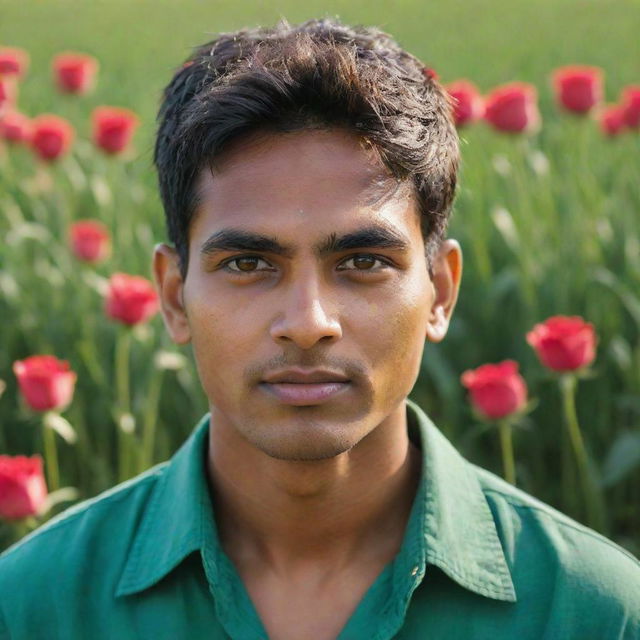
(307,175)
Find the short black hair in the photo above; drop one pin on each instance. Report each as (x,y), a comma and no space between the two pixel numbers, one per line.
(321,73)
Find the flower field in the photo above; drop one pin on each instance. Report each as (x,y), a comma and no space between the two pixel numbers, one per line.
(538,379)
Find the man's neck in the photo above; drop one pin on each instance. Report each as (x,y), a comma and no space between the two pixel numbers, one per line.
(288,517)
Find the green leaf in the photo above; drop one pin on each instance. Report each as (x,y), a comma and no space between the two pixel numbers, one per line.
(503,285)
(622,458)
(66,494)
(630,301)
(61,426)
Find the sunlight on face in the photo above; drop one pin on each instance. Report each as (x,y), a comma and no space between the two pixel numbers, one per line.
(307,294)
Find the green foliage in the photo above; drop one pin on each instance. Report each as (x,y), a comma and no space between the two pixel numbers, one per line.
(548,225)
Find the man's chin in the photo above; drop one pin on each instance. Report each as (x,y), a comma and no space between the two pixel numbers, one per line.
(303,455)
(305,447)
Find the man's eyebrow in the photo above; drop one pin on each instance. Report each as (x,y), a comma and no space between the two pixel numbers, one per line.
(241,240)
(372,236)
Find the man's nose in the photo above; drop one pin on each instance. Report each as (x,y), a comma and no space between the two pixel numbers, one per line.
(308,315)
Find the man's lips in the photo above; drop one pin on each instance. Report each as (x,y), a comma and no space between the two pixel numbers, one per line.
(298,375)
(300,387)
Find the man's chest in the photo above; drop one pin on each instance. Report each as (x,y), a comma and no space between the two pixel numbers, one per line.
(307,610)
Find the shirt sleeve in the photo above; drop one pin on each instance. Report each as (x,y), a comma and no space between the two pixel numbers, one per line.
(610,586)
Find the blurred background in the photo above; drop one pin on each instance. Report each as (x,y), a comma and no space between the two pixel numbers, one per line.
(548,220)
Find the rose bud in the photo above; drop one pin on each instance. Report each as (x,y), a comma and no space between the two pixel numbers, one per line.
(612,119)
(15,127)
(46,383)
(630,101)
(497,390)
(468,105)
(130,299)
(578,88)
(74,72)
(89,240)
(564,343)
(51,136)
(513,108)
(13,62)
(23,490)
(113,128)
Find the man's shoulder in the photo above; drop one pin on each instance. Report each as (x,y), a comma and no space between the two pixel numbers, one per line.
(510,504)
(98,530)
(539,539)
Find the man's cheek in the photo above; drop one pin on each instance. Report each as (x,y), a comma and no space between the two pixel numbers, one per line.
(398,348)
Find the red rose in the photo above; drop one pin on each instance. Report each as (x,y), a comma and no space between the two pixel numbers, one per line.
(497,390)
(468,105)
(89,240)
(578,88)
(513,108)
(130,299)
(113,128)
(51,136)
(13,62)
(23,490)
(3,93)
(630,101)
(564,343)
(45,382)
(74,72)
(612,120)
(15,127)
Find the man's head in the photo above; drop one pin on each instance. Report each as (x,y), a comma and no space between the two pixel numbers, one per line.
(304,171)
(317,75)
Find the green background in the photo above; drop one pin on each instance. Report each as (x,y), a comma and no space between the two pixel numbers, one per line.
(570,244)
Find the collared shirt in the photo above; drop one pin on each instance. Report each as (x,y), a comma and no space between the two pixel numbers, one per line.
(479,559)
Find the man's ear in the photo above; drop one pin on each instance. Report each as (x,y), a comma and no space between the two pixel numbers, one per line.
(447,271)
(166,272)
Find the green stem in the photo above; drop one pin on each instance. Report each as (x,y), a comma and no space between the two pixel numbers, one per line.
(83,445)
(521,180)
(506,444)
(50,458)
(589,490)
(567,473)
(123,348)
(150,420)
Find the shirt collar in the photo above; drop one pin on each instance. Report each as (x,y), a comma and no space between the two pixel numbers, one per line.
(175,518)
(457,532)
(458,526)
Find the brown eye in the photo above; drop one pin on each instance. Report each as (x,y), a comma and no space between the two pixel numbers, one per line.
(364,262)
(247,264)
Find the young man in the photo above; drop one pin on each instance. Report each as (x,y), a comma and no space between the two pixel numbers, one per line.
(307,175)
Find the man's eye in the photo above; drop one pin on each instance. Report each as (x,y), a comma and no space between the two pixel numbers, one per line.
(247,264)
(364,262)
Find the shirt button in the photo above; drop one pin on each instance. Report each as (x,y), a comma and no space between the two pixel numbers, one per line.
(414,571)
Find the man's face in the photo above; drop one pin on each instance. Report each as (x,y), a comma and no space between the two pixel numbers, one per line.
(307,298)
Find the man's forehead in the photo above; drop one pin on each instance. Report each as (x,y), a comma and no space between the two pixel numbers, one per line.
(327,162)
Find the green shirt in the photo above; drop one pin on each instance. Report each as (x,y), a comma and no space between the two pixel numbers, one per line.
(479,559)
